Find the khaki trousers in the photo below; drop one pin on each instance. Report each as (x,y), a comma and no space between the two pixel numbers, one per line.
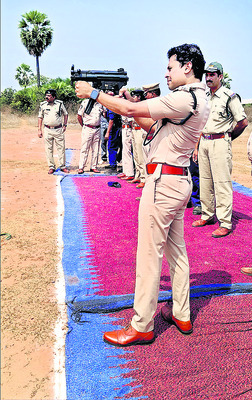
(90,138)
(127,159)
(56,136)
(161,229)
(215,168)
(137,142)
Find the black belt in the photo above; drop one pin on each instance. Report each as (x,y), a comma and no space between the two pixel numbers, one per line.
(212,136)
(166,169)
(91,126)
(53,127)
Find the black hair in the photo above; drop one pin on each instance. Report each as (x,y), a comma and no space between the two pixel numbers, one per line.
(189,52)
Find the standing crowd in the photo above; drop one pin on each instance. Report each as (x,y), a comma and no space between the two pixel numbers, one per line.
(160,140)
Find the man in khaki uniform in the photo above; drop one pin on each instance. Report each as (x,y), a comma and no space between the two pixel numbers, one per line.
(51,112)
(90,135)
(138,136)
(166,192)
(127,158)
(226,122)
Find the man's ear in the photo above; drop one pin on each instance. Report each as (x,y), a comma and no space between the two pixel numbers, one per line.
(188,67)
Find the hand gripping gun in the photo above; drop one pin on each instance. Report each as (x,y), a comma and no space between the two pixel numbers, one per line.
(102,80)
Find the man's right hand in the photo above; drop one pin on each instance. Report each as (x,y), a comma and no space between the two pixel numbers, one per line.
(195,155)
(40,134)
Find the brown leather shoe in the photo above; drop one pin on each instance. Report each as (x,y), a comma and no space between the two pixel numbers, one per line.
(202,222)
(65,170)
(134,181)
(127,178)
(247,270)
(96,171)
(128,336)
(51,171)
(140,186)
(121,175)
(184,327)
(221,232)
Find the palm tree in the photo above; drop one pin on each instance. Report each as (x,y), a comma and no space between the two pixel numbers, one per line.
(226,80)
(24,75)
(36,35)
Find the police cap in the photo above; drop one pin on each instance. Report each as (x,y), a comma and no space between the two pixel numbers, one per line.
(151,87)
(214,67)
(51,91)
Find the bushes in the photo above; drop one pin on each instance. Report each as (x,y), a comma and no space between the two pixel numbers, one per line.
(7,96)
(28,100)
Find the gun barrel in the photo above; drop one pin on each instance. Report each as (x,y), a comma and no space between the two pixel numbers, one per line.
(96,75)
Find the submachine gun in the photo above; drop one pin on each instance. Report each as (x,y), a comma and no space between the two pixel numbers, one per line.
(102,80)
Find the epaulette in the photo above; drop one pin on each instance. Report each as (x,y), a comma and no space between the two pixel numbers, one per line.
(230,97)
(43,102)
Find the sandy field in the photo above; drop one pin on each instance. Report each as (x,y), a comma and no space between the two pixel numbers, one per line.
(30,259)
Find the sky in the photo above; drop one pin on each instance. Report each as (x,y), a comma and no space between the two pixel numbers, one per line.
(134,35)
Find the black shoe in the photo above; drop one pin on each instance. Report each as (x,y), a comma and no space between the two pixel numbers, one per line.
(197,210)
(112,167)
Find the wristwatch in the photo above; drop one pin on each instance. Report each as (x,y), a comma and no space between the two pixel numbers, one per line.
(94,94)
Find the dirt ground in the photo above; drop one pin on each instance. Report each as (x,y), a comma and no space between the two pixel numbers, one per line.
(30,258)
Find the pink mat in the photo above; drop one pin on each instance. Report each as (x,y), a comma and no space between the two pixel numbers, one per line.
(110,217)
(215,361)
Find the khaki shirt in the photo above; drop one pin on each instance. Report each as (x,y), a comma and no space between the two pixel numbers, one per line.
(219,121)
(174,144)
(52,113)
(94,118)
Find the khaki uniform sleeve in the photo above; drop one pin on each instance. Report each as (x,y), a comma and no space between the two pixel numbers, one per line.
(175,106)
(82,109)
(41,111)
(64,111)
(237,109)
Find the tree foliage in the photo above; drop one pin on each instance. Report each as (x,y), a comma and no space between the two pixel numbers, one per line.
(36,35)
(226,80)
(24,75)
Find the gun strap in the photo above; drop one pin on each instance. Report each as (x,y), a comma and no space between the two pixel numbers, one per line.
(150,137)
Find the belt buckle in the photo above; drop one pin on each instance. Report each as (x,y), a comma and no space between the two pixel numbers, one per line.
(207,136)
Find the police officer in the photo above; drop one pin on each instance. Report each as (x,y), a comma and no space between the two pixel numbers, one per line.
(129,129)
(226,122)
(51,112)
(90,135)
(127,158)
(166,192)
(113,136)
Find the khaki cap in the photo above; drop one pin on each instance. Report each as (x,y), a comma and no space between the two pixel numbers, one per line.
(149,88)
(214,67)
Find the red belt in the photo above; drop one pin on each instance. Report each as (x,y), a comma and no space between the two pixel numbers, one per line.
(91,126)
(53,127)
(212,136)
(137,128)
(126,126)
(166,169)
